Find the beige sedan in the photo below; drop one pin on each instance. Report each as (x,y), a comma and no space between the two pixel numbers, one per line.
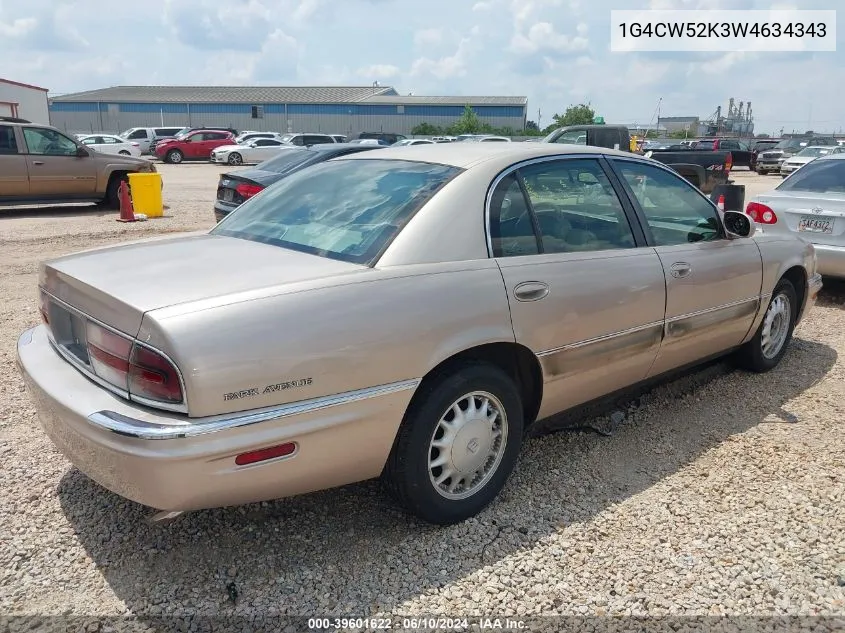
(407,316)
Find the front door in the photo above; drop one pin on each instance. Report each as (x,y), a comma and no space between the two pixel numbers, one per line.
(586,295)
(54,167)
(713,283)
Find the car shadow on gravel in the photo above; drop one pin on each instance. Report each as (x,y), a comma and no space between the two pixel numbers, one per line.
(351,551)
(57,211)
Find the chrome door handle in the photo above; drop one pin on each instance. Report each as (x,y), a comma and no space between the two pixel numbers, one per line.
(531,291)
(38,162)
(680,269)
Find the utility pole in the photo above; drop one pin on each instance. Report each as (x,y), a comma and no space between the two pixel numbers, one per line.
(539,119)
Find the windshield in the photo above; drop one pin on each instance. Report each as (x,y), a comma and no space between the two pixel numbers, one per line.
(127,132)
(348,210)
(826,175)
(790,143)
(814,151)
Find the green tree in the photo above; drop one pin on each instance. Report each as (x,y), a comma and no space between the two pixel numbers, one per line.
(469,123)
(531,126)
(581,114)
(425,129)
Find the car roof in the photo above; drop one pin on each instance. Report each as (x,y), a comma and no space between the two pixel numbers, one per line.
(465,155)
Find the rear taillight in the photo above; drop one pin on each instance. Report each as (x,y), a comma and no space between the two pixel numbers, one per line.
(44,307)
(729,162)
(761,213)
(142,372)
(247,191)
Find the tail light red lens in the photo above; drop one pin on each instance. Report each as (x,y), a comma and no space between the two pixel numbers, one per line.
(729,162)
(247,191)
(153,377)
(140,371)
(761,213)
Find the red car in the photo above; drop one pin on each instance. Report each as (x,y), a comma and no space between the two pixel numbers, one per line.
(193,146)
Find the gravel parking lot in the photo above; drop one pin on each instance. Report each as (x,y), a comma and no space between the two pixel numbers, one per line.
(722,493)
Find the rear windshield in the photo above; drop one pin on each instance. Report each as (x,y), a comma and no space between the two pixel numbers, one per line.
(288,158)
(826,175)
(703,145)
(348,210)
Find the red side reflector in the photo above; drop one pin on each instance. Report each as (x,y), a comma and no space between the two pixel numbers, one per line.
(263,454)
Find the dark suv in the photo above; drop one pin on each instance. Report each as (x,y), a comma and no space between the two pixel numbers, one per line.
(386,137)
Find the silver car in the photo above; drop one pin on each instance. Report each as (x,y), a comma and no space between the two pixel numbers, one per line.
(807,155)
(407,315)
(810,203)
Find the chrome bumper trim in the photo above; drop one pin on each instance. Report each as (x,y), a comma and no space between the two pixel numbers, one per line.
(131,427)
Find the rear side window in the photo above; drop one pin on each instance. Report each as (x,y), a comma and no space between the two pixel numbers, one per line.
(8,143)
(348,210)
(137,134)
(819,176)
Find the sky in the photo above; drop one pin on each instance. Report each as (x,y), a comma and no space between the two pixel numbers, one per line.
(555,52)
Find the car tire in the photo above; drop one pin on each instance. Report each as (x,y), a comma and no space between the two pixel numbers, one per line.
(123,152)
(428,431)
(235,159)
(174,156)
(112,199)
(765,350)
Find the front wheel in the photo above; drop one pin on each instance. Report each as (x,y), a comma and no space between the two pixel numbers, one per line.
(235,159)
(457,445)
(768,346)
(174,156)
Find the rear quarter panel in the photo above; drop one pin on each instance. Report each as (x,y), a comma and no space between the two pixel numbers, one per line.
(779,254)
(396,325)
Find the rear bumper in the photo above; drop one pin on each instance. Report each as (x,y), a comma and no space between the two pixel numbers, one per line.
(831,260)
(222,209)
(172,462)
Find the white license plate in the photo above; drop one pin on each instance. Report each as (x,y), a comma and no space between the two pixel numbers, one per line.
(812,224)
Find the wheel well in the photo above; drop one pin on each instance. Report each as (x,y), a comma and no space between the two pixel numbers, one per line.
(519,362)
(797,276)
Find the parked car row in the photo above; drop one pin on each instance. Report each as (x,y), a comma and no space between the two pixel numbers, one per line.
(771,160)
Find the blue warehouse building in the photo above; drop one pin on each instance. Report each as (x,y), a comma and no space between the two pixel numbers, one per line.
(347,110)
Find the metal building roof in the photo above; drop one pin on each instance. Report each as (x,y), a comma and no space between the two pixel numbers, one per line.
(273,94)
(472,100)
(228,94)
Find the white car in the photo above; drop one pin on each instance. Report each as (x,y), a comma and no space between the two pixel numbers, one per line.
(806,155)
(251,152)
(251,136)
(111,144)
(412,141)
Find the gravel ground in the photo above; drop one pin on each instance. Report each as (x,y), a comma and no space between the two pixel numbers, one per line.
(721,493)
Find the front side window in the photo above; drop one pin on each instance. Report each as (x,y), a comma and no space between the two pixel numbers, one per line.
(675,211)
(819,176)
(348,210)
(48,142)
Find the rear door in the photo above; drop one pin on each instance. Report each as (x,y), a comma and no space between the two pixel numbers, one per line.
(54,167)
(586,294)
(713,284)
(14,178)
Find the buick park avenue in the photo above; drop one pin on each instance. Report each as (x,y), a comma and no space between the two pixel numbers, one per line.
(406,314)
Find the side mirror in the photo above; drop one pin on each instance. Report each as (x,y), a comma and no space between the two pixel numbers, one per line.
(81,152)
(738,225)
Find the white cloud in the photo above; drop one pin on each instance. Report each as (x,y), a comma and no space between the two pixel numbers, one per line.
(451,66)
(481,6)
(543,37)
(428,37)
(379,71)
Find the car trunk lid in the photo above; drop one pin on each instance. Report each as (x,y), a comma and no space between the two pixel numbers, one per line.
(117,285)
(817,218)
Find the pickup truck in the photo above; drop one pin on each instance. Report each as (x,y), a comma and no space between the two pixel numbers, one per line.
(739,150)
(610,136)
(704,169)
(39,164)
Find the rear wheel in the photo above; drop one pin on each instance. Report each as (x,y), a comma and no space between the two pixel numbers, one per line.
(235,159)
(457,445)
(768,346)
(123,152)
(174,156)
